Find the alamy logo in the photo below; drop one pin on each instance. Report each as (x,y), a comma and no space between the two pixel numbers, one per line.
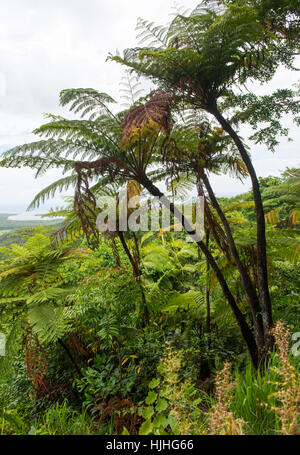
(2,344)
(134,215)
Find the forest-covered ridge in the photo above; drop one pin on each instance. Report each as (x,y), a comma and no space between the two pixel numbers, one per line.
(8,225)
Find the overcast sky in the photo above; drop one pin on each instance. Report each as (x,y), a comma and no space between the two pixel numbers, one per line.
(47,46)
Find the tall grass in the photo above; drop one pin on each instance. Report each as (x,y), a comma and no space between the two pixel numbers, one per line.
(252,403)
(62,420)
(254,400)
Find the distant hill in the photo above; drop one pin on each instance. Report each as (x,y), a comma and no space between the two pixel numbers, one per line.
(18,232)
(7,225)
(15,236)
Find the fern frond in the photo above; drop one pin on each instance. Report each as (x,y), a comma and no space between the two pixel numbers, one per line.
(294,217)
(50,191)
(130,89)
(273,217)
(152,34)
(15,271)
(48,322)
(184,301)
(86,100)
(47,295)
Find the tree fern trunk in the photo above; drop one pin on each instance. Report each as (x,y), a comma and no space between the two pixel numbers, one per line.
(245,278)
(137,274)
(207,294)
(68,352)
(115,252)
(260,219)
(135,268)
(244,327)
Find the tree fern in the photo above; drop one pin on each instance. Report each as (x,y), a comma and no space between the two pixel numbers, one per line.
(130,89)
(151,34)
(48,320)
(185,301)
(87,101)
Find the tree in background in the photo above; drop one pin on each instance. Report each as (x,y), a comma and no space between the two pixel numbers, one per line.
(201,57)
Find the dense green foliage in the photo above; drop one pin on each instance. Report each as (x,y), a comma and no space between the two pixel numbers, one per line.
(95,359)
(133,333)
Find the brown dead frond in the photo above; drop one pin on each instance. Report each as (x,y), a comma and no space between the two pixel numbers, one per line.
(221,419)
(77,345)
(36,366)
(77,251)
(288,389)
(156,110)
(123,411)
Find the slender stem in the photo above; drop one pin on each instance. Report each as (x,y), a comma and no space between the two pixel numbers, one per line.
(115,252)
(244,327)
(65,347)
(137,274)
(207,293)
(260,219)
(133,263)
(245,278)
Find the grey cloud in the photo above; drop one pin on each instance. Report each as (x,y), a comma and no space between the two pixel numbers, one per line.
(46,46)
